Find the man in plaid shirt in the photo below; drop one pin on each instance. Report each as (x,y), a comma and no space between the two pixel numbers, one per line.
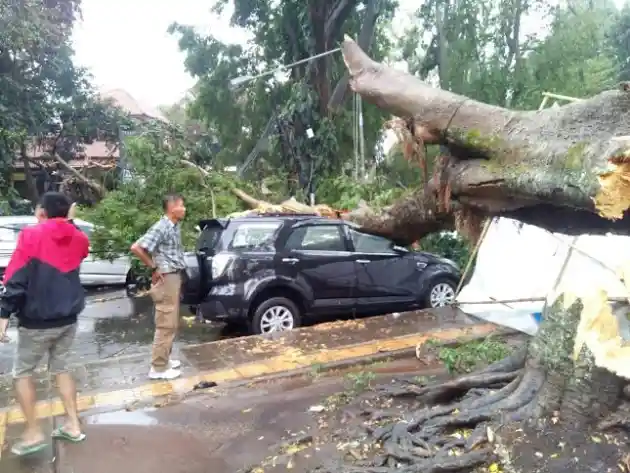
(161,249)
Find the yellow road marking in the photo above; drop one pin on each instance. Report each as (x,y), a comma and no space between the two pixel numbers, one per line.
(273,365)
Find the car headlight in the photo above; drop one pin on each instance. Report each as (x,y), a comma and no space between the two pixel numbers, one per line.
(220,264)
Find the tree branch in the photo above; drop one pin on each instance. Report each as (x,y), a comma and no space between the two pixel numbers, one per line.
(547,167)
(337,18)
(64,164)
(410,218)
(190,164)
(366,35)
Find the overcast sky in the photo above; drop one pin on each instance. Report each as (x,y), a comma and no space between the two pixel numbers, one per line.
(125,45)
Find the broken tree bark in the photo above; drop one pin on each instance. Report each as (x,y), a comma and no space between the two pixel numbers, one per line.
(541,167)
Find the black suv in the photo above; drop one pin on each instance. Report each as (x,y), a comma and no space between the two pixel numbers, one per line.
(273,271)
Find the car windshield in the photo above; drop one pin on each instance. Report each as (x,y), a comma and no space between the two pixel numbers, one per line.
(251,235)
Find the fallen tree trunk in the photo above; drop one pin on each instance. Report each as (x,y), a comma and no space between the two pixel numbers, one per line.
(548,167)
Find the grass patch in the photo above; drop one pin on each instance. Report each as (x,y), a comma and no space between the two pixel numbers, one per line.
(358,382)
(354,384)
(465,357)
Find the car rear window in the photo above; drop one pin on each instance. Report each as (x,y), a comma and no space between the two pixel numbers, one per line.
(10,231)
(251,235)
(85,229)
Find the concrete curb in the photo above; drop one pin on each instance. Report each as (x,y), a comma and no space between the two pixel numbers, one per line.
(276,367)
(347,363)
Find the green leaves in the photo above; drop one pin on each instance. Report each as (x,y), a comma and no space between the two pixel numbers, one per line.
(45,101)
(282,33)
(485,50)
(126,213)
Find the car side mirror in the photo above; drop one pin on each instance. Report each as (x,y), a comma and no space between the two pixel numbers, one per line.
(400,249)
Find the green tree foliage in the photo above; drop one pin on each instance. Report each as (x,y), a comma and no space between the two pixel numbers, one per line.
(201,142)
(448,245)
(282,33)
(576,58)
(156,156)
(34,61)
(481,49)
(619,37)
(45,100)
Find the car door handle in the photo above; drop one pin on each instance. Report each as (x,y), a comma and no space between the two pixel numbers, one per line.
(363,261)
(290,260)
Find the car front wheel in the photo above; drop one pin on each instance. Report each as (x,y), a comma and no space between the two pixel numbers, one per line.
(277,314)
(441,293)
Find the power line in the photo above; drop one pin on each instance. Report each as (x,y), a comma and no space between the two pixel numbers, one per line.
(244,79)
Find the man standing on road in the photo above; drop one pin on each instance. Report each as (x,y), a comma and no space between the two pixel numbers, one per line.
(44,291)
(161,250)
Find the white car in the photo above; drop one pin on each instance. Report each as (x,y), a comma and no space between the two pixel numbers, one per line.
(94,271)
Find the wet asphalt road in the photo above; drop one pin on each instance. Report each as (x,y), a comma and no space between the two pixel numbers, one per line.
(116,328)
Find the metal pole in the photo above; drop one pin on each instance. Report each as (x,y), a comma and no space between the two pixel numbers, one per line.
(473,254)
(561,97)
(361,138)
(355,136)
(544,102)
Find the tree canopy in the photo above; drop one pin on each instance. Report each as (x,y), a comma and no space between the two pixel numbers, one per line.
(264,125)
(47,102)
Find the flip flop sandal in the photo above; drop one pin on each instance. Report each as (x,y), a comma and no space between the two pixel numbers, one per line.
(60,434)
(21,450)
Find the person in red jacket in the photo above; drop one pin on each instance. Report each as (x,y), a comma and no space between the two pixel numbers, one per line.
(43,290)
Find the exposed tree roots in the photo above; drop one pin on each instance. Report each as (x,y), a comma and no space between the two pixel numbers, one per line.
(452,426)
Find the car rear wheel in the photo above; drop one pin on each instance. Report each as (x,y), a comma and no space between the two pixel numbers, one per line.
(441,293)
(277,314)
(135,284)
(131,288)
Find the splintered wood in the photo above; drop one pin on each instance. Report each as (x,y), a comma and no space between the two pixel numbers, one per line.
(599,331)
(613,198)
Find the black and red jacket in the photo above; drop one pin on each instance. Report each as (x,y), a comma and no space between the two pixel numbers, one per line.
(42,284)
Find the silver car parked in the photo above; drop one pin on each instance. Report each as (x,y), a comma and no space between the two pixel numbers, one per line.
(95,271)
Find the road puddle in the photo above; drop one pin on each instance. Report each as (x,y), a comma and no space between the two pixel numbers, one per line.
(124,417)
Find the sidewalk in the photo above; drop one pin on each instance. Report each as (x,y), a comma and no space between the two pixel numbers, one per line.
(229,430)
(122,383)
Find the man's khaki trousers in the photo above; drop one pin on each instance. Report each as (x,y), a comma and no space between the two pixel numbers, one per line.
(165,295)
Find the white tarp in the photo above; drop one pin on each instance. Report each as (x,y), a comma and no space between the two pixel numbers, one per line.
(518,261)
